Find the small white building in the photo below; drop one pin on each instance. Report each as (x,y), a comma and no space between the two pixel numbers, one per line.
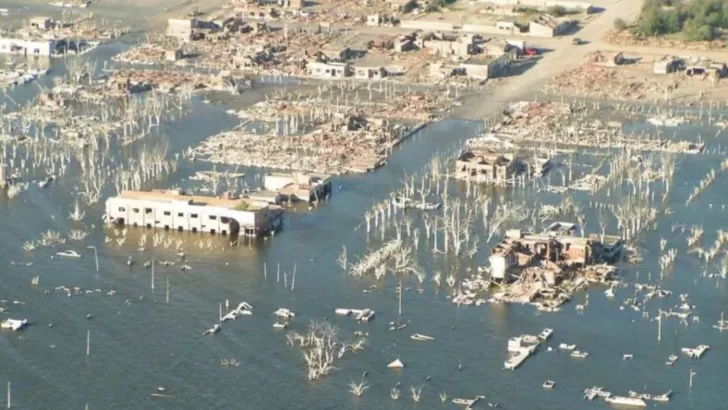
(483,67)
(363,72)
(374,20)
(28,47)
(181,29)
(173,209)
(298,186)
(328,70)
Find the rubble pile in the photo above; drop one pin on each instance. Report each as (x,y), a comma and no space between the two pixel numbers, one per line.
(165,81)
(627,39)
(535,117)
(337,149)
(146,54)
(605,83)
(551,122)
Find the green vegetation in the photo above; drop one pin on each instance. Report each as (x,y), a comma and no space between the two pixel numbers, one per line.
(526,10)
(242,206)
(620,24)
(557,11)
(696,20)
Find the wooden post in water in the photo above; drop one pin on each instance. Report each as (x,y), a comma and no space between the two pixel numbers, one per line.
(400,297)
(278,274)
(692,373)
(293,280)
(220,317)
(168,289)
(659,325)
(265,270)
(152,273)
(88,342)
(9,403)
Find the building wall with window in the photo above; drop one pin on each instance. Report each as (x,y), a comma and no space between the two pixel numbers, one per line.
(40,48)
(175,212)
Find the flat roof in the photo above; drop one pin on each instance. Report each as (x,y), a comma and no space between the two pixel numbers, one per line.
(162,195)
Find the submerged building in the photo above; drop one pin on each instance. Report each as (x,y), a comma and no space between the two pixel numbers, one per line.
(298,186)
(558,246)
(173,209)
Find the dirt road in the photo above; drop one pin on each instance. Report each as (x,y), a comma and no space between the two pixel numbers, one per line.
(564,57)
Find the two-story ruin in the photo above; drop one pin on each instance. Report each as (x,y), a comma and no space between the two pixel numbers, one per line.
(558,246)
(173,209)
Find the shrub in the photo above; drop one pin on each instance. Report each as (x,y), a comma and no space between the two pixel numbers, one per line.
(557,11)
(620,24)
(695,30)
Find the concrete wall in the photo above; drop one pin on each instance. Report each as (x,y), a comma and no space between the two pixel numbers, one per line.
(276,182)
(485,29)
(180,215)
(444,47)
(499,265)
(369,73)
(181,28)
(539,30)
(542,4)
(477,71)
(41,48)
(427,25)
(496,68)
(323,70)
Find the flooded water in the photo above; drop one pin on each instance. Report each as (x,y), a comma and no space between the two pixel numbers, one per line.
(139,342)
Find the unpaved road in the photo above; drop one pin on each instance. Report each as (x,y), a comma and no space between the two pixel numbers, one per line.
(564,56)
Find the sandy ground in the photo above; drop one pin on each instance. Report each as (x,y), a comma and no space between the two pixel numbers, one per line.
(564,57)
(561,55)
(140,15)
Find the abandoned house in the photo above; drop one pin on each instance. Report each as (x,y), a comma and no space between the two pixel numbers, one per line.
(450,45)
(364,72)
(705,67)
(483,67)
(334,54)
(374,20)
(488,166)
(298,186)
(557,245)
(507,27)
(405,42)
(174,209)
(665,65)
(328,70)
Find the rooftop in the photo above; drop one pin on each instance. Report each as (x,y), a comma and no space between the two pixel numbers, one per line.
(171,195)
(547,20)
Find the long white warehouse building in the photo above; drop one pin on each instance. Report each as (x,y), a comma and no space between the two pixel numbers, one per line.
(173,209)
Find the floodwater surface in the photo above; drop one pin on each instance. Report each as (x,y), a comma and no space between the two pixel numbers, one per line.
(138,342)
